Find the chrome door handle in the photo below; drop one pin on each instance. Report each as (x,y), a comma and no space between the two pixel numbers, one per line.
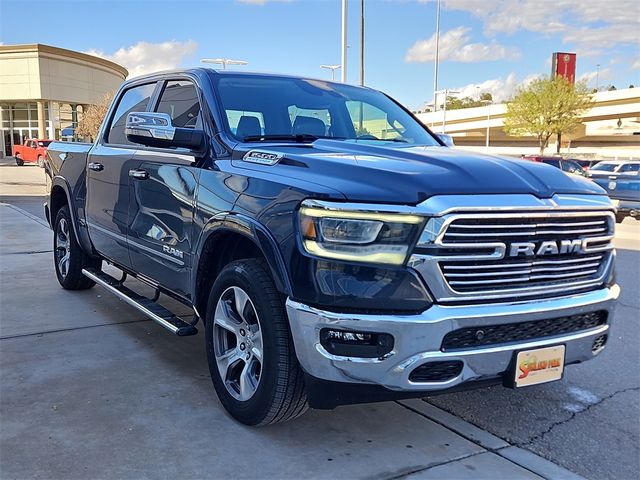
(96,167)
(139,174)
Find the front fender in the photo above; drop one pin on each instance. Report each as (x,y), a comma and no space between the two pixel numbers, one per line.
(253,230)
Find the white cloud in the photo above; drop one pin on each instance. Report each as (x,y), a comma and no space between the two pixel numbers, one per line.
(145,57)
(595,76)
(636,65)
(454,46)
(501,89)
(590,25)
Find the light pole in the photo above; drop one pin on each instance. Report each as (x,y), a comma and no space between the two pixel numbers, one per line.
(362,43)
(333,69)
(597,76)
(446,92)
(224,62)
(488,104)
(435,63)
(343,73)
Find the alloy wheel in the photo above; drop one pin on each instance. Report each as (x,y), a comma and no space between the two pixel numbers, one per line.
(62,247)
(237,343)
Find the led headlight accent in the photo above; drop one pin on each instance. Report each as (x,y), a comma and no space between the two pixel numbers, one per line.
(350,235)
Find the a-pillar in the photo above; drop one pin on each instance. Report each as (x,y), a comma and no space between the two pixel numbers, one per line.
(42,131)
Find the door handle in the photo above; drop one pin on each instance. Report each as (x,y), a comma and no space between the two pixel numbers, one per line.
(96,167)
(139,174)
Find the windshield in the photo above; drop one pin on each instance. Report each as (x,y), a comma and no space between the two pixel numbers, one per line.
(605,167)
(259,108)
(45,143)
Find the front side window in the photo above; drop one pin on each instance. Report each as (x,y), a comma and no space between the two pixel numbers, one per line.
(294,107)
(135,99)
(179,100)
(553,162)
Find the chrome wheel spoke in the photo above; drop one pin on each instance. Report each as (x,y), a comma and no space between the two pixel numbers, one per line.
(247,383)
(241,302)
(227,359)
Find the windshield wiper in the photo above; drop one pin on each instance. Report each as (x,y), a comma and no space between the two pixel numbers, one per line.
(301,137)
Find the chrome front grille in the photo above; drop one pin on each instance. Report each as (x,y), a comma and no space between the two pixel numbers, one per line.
(468,276)
(515,254)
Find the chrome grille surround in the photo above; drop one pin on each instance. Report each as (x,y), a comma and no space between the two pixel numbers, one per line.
(464,253)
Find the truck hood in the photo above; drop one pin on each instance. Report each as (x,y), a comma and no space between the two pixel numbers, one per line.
(406,174)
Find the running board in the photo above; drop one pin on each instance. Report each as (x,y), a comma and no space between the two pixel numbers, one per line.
(151,309)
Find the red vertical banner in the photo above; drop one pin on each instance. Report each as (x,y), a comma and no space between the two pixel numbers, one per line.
(564,65)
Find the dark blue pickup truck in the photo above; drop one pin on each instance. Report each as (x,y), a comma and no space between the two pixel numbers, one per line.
(621,180)
(333,248)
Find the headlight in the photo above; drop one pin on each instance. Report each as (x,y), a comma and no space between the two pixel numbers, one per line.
(360,236)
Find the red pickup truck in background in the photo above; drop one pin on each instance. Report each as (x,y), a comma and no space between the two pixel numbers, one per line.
(33,151)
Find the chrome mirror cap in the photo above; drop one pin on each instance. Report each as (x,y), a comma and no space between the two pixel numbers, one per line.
(150,124)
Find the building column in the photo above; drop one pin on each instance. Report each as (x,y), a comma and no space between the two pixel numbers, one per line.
(42,131)
(74,120)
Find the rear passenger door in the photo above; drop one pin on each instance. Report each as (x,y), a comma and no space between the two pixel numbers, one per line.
(162,196)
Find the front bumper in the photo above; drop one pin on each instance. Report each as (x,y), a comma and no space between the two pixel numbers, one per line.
(418,339)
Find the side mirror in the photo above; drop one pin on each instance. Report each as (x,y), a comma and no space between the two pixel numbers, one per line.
(446,139)
(155,130)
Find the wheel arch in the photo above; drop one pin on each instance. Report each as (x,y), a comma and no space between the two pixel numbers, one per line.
(58,198)
(228,237)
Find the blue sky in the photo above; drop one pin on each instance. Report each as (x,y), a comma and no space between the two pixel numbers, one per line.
(490,44)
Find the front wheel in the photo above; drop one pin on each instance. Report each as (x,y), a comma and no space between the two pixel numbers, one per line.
(620,217)
(251,357)
(69,258)
(19,161)
(40,161)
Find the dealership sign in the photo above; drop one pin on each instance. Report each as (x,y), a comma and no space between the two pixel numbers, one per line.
(564,65)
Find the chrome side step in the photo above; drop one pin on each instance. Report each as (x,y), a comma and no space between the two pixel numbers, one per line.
(150,308)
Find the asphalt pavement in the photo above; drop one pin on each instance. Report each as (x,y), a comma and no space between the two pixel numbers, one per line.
(90,389)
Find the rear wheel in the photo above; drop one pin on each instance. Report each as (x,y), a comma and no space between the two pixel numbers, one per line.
(19,161)
(620,217)
(251,358)
(69,258)
(40,161)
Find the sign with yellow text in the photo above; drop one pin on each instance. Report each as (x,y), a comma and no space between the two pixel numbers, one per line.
(539,366)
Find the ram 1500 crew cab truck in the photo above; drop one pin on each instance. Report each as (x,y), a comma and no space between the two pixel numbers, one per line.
(333,248)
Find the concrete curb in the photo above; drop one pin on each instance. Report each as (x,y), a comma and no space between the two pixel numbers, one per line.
(519,456)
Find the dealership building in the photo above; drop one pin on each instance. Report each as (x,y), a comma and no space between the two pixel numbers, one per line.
(44,90)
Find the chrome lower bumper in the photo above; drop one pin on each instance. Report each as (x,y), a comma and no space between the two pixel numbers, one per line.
(418,339)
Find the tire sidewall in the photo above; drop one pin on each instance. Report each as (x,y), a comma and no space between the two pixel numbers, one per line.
(40,161)
(254,410)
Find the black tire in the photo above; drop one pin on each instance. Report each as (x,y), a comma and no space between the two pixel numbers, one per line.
(40,161)
(69,272)
(620,217)
(19,161)
(279,395)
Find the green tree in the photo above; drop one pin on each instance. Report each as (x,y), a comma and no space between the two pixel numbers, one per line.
(546,107)
(91,120)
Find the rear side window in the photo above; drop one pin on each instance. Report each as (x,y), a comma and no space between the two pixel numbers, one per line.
(134,99)
(179,100)
(630,168)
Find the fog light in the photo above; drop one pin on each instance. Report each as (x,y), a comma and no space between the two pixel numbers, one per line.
(348,343)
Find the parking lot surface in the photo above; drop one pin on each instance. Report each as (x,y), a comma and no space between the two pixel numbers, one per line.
(89,388)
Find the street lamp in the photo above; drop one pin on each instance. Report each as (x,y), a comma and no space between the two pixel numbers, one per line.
(333,69)
(446,92)
(488,104)
(437,54)
(343,73)
(224,62)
